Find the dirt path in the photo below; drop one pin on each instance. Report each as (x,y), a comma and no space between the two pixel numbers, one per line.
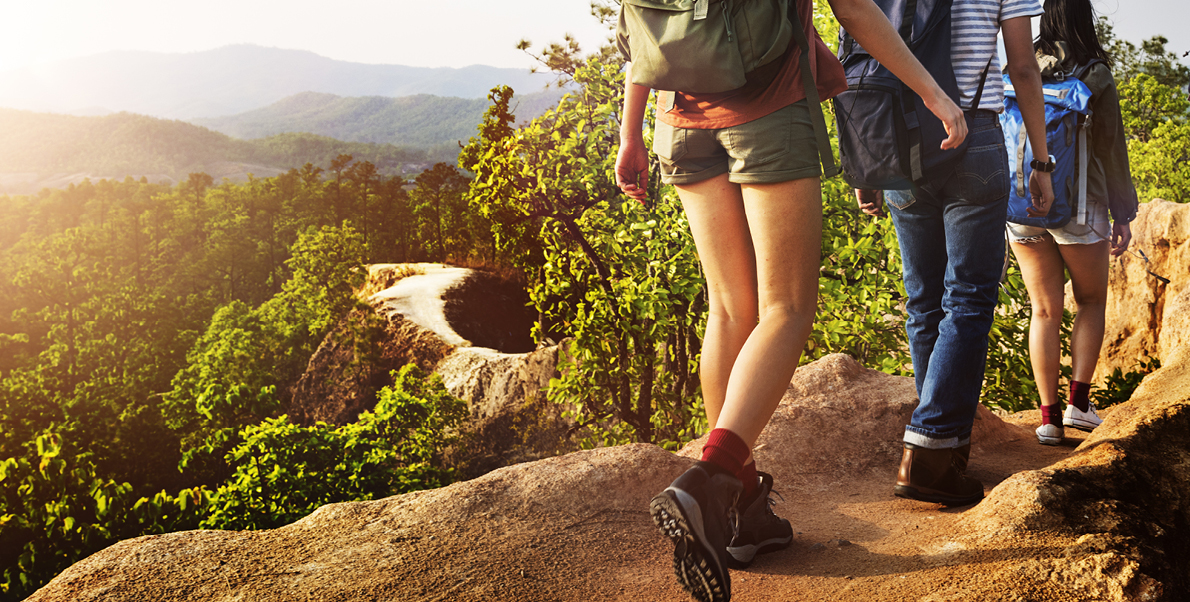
(854,541)
(575,527)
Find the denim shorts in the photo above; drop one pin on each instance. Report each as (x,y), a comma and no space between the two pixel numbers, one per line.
(1097,229)
(775,148)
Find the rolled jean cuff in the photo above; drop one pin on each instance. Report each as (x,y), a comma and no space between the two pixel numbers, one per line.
(915,438)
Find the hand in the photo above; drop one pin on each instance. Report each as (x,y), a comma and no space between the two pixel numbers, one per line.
(632,167)
(1041,189)
(1121,235)
(870,202)
(952,119)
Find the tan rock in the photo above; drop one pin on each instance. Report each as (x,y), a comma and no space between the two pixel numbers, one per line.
(1145,316)
(1092,523)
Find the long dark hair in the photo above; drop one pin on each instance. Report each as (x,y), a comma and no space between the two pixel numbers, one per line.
(1073,22)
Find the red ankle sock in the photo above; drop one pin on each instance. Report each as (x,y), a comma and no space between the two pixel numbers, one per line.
(750,479)
(1052,414)
(726,450)
(1080,393)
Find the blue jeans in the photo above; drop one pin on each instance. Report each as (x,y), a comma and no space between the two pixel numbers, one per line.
(952,248)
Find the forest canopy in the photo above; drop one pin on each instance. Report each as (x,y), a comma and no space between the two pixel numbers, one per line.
(151,335)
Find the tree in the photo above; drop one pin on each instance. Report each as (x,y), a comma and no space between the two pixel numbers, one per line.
(438,197)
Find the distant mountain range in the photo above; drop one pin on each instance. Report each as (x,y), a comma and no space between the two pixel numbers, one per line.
(232,80)
(423,121)
(44,150)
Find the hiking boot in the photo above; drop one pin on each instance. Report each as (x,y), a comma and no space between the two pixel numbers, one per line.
(933,475)
(961,455)
(695,513)
(760,531)
(1050,434)
(1083,421)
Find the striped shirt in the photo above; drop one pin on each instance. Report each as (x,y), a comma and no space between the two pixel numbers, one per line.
(974,28)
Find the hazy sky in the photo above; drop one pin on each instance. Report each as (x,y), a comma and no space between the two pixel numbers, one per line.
(430,33)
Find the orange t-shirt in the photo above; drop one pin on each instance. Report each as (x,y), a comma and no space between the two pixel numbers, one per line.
(755,100)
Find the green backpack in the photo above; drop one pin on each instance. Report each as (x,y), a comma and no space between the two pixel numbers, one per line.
(707,46)
(701,46)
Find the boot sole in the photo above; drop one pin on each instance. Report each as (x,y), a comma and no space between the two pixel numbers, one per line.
(696,565)
(741,557)
(936,497)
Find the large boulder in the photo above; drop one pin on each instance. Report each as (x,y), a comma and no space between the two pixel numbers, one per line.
(1148,317)
(1125,492)
(469,327)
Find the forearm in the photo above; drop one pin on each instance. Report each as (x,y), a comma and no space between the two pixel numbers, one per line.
(865,22)
(1026,79)
(636,97)
(1029,97)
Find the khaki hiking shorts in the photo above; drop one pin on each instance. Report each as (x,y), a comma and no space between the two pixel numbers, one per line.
(1097,229)
(778,147)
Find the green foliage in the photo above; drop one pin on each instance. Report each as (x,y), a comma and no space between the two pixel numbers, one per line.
(440,205)
(1146,104)
(1119,386)
(1152,84)
(56,509)
(619,280)
(1149,58)
(631,362)
(1161,164)
(282,471)
(860,291)
(141,321)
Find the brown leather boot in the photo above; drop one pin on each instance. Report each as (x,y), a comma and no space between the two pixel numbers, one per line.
(934,475)
(962,453)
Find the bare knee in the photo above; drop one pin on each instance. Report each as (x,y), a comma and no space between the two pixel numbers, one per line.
(1047,312)
(1092,301)
(787,316)
(734,319)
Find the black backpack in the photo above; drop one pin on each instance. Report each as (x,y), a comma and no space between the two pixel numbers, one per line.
(888,140)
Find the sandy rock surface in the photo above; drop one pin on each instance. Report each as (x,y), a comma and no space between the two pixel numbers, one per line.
(1094,519)
(1145,316)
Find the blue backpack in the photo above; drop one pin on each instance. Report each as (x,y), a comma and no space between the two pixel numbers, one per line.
(1067,116)
(888,140)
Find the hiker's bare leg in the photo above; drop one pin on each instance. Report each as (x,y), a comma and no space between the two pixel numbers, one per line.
(1088,276)
(1044,274)
(785,222)
(715,209)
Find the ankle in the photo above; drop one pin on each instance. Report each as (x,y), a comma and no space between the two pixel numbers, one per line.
(1080,394)
(750,479)
(726,450)
(1051,414)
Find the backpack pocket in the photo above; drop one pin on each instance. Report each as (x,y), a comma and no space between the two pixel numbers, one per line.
(872,158)
(763,29)
(701,46)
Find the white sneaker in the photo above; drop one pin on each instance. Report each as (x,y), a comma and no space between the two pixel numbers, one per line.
(1083,421)
(1049,434)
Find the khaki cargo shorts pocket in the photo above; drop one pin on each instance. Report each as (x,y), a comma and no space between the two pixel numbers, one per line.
(669,142)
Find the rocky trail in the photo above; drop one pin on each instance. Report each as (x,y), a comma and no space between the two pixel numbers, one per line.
(1106,516)
(1059,523)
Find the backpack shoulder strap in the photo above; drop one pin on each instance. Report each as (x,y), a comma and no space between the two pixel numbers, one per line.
(1082,70)
(825,154)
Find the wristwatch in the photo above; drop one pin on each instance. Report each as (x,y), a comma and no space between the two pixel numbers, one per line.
(1044,166)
